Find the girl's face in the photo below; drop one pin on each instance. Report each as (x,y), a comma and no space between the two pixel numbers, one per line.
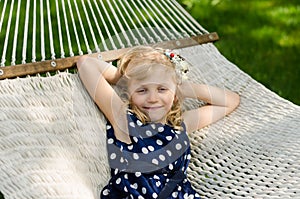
(154,94)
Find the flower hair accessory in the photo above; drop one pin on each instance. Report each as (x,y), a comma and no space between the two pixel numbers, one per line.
(182,67)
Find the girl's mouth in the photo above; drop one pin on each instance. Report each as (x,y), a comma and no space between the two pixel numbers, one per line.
(152,108)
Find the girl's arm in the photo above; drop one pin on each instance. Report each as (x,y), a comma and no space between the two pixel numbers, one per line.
(109,72)
(220,102)
(96,76)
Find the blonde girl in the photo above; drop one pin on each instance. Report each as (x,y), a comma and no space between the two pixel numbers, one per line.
(147,132)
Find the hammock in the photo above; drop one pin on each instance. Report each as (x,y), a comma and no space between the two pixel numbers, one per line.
(52,136)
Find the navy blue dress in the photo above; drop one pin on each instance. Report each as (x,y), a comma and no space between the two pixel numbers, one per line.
(142,168)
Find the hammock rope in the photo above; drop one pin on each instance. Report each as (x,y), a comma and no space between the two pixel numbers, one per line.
(62,52)
(88,24)
(52,136)
(13,59)
(26,26)
(43,54)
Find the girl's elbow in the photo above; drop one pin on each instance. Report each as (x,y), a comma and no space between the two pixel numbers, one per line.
(235,102)
(81,62)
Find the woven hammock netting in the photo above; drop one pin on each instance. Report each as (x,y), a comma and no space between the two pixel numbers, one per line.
(52,135)
(38,30)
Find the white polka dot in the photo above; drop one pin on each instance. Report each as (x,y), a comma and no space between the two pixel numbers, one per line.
(138,174)
(148,133)
(151,148)
(135,139)
(178,146)
(126,176)
(188,156)
(169,152)
(130,147)
(105,192)
(158,183)
(118,181)
(140,197)
(175,194)
(113,156)
(125,189)
(116,171)
(169,138)
(145,150)
(186,143)
(121,159)
(160,129)
(144,190)
(108,127)
(159,142)
(135,156)
(139,123)
(153,126)
(185,196)
(189,196)
(135,185)
(154,195)
(132,124)
(110,141)
(171,166)
(162,157)
(155,161)
(156,177)
(179,188)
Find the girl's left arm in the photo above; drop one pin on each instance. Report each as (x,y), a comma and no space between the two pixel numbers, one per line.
(220,102)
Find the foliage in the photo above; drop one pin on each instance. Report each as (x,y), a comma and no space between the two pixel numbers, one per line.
(260,37)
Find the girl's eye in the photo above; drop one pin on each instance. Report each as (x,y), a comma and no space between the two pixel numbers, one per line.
(141,91)
(162,89)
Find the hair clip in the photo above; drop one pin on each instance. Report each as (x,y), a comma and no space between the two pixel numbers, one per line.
(182,67)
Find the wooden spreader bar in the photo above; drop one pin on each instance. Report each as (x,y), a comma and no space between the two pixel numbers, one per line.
(21,70)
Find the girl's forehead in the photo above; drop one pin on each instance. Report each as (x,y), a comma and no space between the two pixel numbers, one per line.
(155,77)
(156,74)
(154,80)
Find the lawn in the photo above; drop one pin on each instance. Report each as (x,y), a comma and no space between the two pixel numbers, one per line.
(260,36)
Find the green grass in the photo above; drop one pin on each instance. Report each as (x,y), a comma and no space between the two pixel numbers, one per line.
(260,36)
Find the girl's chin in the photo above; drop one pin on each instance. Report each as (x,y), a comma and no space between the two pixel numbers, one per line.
(157,119)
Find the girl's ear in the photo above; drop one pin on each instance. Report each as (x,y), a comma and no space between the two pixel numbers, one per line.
(178,95)
(175,101)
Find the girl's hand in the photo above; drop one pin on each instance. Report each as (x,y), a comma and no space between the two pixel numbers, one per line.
(220,102)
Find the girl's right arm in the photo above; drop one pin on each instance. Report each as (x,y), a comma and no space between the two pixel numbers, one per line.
(220,102)
(97,75)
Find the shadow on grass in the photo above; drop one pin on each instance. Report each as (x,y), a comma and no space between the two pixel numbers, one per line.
(260,37)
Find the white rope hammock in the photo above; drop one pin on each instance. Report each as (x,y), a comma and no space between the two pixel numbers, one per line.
(52,136)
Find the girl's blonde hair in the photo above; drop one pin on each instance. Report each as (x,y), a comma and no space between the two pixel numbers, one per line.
(137,63)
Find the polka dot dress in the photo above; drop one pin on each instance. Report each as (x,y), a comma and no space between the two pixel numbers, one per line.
(142,168)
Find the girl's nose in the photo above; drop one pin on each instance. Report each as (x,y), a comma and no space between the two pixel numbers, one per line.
(152,97)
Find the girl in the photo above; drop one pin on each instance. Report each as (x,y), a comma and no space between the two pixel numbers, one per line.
(148,146)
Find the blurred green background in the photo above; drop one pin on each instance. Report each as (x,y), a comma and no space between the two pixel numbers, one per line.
(261,37)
